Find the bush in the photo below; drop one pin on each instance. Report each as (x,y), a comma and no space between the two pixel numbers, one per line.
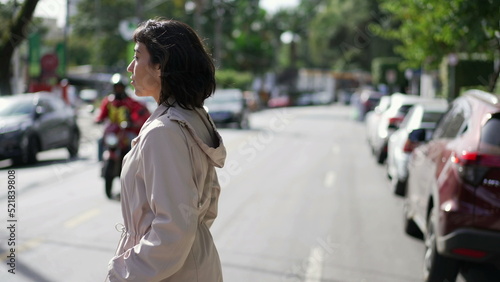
(233,79)
(380,67)
(470,73)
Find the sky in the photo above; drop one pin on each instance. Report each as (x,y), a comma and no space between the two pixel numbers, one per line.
(52,9)
(274,5)
(57,8)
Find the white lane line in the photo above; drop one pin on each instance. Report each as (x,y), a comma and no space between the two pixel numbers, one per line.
(77,220)
(315,265)
(329,179)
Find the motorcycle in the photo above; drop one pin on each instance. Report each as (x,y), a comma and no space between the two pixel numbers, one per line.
(116,144)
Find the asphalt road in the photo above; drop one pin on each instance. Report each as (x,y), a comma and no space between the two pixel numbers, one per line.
(302,200)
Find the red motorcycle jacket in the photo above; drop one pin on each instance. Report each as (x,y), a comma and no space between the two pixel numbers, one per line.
(127,110)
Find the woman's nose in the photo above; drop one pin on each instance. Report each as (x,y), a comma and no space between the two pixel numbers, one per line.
(130,67)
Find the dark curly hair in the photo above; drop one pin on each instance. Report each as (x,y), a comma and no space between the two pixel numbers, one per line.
(187,69)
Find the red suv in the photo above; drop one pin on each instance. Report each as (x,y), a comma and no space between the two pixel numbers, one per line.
(453,196)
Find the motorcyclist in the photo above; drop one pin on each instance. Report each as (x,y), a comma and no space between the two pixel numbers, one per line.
(120,112)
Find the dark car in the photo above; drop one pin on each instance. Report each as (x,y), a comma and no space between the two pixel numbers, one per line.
(30,123)
(453,192)
(228,106)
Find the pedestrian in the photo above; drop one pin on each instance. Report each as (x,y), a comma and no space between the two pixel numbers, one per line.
(170,189)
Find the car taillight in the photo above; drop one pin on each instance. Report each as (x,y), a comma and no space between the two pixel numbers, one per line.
(410,146)
(469,253)
(472,166)
(394,122)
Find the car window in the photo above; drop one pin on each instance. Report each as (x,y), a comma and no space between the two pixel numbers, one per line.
(431,117)
(403,110)
(490,136)
(46,106)
(15,107)
(225,96)
(452,123)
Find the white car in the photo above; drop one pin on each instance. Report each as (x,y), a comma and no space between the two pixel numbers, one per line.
(386,119)
(423,115)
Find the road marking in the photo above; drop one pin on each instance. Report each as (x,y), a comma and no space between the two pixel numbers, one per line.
(77,220)
(315,265)
(30,244)
(329,179)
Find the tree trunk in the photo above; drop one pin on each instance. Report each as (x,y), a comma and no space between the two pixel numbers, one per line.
(16,31)
(5,69)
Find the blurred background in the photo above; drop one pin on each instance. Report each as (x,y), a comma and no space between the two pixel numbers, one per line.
(298,84)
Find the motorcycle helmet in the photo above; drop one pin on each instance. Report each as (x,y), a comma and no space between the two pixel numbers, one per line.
(118,79)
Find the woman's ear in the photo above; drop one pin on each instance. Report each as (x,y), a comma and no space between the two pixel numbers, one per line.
(157,68)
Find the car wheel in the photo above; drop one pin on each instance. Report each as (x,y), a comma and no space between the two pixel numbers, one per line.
(29,149)
(244,124)
(74,144)
(410,227)
(398,186)
(436,266)
(381,156)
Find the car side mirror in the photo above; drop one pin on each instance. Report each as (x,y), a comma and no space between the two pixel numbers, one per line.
(418,135)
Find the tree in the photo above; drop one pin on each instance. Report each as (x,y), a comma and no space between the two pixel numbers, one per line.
(97,23)
(15,26)
(340,35)
(428,30)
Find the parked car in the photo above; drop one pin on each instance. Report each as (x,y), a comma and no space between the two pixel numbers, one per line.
(368,100)
(228,106)
(422,115)
(31,123)
(386,119)
(279,101)
(453,193)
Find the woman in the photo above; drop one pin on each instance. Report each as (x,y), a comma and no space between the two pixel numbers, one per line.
(169,184)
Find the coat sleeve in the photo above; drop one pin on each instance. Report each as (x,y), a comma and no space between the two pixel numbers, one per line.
(214,202)
(173,200)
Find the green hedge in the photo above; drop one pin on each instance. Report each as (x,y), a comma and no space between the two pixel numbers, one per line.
(233,79)
(469,74)
(381,65)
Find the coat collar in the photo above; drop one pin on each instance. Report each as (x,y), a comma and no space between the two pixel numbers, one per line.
(177,114)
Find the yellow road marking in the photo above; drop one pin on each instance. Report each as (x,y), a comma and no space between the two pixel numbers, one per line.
(77,220)
(30,244)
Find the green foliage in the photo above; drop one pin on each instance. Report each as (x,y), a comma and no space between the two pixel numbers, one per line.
(468,73)
(340,35)
(95,39)
(233,79)
(430,29)
(236,32)
(247,42)
(380,67)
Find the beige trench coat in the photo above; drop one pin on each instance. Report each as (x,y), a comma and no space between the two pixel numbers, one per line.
(169,200)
